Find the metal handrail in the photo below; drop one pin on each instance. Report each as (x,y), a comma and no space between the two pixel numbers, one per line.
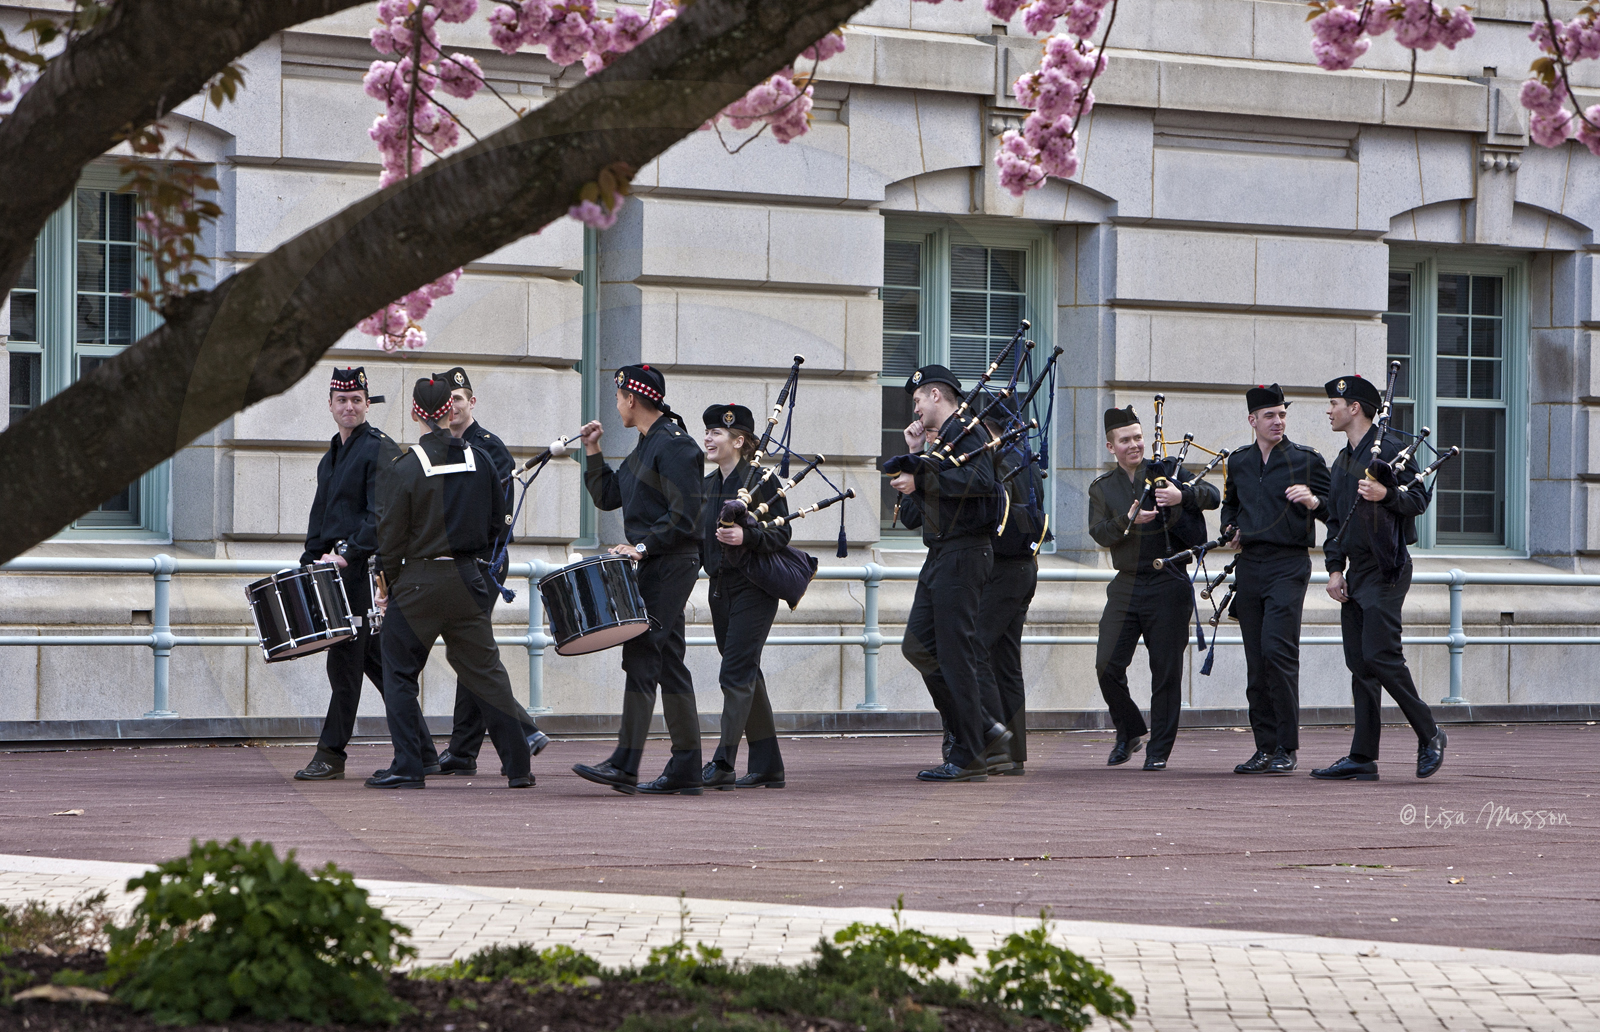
(161,641)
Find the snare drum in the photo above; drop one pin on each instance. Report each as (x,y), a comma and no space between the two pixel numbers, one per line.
(300,611)
(594,604)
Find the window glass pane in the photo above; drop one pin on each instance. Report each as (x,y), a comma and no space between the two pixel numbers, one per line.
(25,303)
(987,303)
(91,214)
(968,268)
(26,379)
(1470,489)
(897,415)
(122,508)
(1397,321)
(902,307)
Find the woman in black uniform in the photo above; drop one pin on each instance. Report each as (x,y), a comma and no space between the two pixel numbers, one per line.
(741,613)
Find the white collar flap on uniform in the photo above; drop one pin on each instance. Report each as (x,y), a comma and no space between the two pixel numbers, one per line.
(430,470)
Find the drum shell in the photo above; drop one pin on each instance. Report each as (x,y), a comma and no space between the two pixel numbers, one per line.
(300,611)
(594,604)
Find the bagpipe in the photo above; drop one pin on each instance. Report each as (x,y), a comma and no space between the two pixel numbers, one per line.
(1163,470)
(787,572)
(1382,526)
(1015,435)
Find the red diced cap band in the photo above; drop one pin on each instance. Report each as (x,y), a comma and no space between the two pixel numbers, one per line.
(640,387)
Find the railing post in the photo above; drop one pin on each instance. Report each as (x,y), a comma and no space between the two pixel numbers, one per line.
(871,640)
(161,639)
(1458,638)
(536,642)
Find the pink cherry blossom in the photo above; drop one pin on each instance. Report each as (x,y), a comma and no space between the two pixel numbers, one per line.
(591,214)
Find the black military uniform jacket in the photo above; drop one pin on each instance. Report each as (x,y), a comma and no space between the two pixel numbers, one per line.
(504,466)
(1135,546)
(955,504)
(657,489)
(345,508)
(1349,467)
(717,490)
(1269,524)
(439,508)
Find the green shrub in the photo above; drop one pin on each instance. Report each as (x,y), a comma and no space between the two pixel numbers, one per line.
(232,930)
(555,965)
(12,979)
(898,960)
(64,931)
(1031,975)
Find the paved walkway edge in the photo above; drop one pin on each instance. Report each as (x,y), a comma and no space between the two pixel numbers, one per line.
(943,922)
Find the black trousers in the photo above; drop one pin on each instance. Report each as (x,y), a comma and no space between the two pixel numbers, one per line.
(1002,612)
(741,618)
(437,598)
(1371,625)
(1157,609)
(467,727)
(1269,601)
(347,663)
(942,642)
(656,658)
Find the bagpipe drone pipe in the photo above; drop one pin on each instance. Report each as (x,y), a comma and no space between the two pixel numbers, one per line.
(1015,434)
(787,572)
(1164,469)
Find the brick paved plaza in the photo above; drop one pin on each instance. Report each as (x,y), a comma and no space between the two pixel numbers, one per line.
(1221,902)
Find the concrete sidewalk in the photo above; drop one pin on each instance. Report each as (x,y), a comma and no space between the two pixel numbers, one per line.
(1181,978)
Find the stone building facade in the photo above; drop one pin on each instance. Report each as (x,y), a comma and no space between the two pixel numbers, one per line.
(1240,217)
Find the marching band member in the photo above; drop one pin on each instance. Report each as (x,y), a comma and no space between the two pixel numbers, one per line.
(741,613)
(1369,601)
(1143,601)
(439,506)
(658,491)
(1003,609)
(1276,492)
(467,730)
(343,529)
(957,510)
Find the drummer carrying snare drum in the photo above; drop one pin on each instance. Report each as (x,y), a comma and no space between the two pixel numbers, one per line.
(343,530)
(658,491)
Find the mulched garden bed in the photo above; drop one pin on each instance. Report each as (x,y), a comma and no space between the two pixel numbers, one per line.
(461,1007)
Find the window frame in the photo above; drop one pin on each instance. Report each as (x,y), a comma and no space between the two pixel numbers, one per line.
(937,236)
(1425,267)
(59,350)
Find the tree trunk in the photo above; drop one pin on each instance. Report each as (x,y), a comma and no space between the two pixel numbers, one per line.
(262,329)
(144,59)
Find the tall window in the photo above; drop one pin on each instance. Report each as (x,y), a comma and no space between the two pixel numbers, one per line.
(1459,330)
(70,312)
(954,294)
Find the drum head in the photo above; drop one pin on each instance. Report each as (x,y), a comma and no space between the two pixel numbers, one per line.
(603,638)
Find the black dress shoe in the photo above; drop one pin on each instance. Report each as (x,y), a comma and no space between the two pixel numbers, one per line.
(948,772)
(665,785)
(449,764)
(1155,763)
(431,770)
(395,781)
(1256,764)
(713,776)
(1015,771)
(605,774)
(773,780)
(526,782)
(320,770)
(537,741)
(1284,761)
(1430,755)
(1124,748)
(997,756)
(1346,769)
